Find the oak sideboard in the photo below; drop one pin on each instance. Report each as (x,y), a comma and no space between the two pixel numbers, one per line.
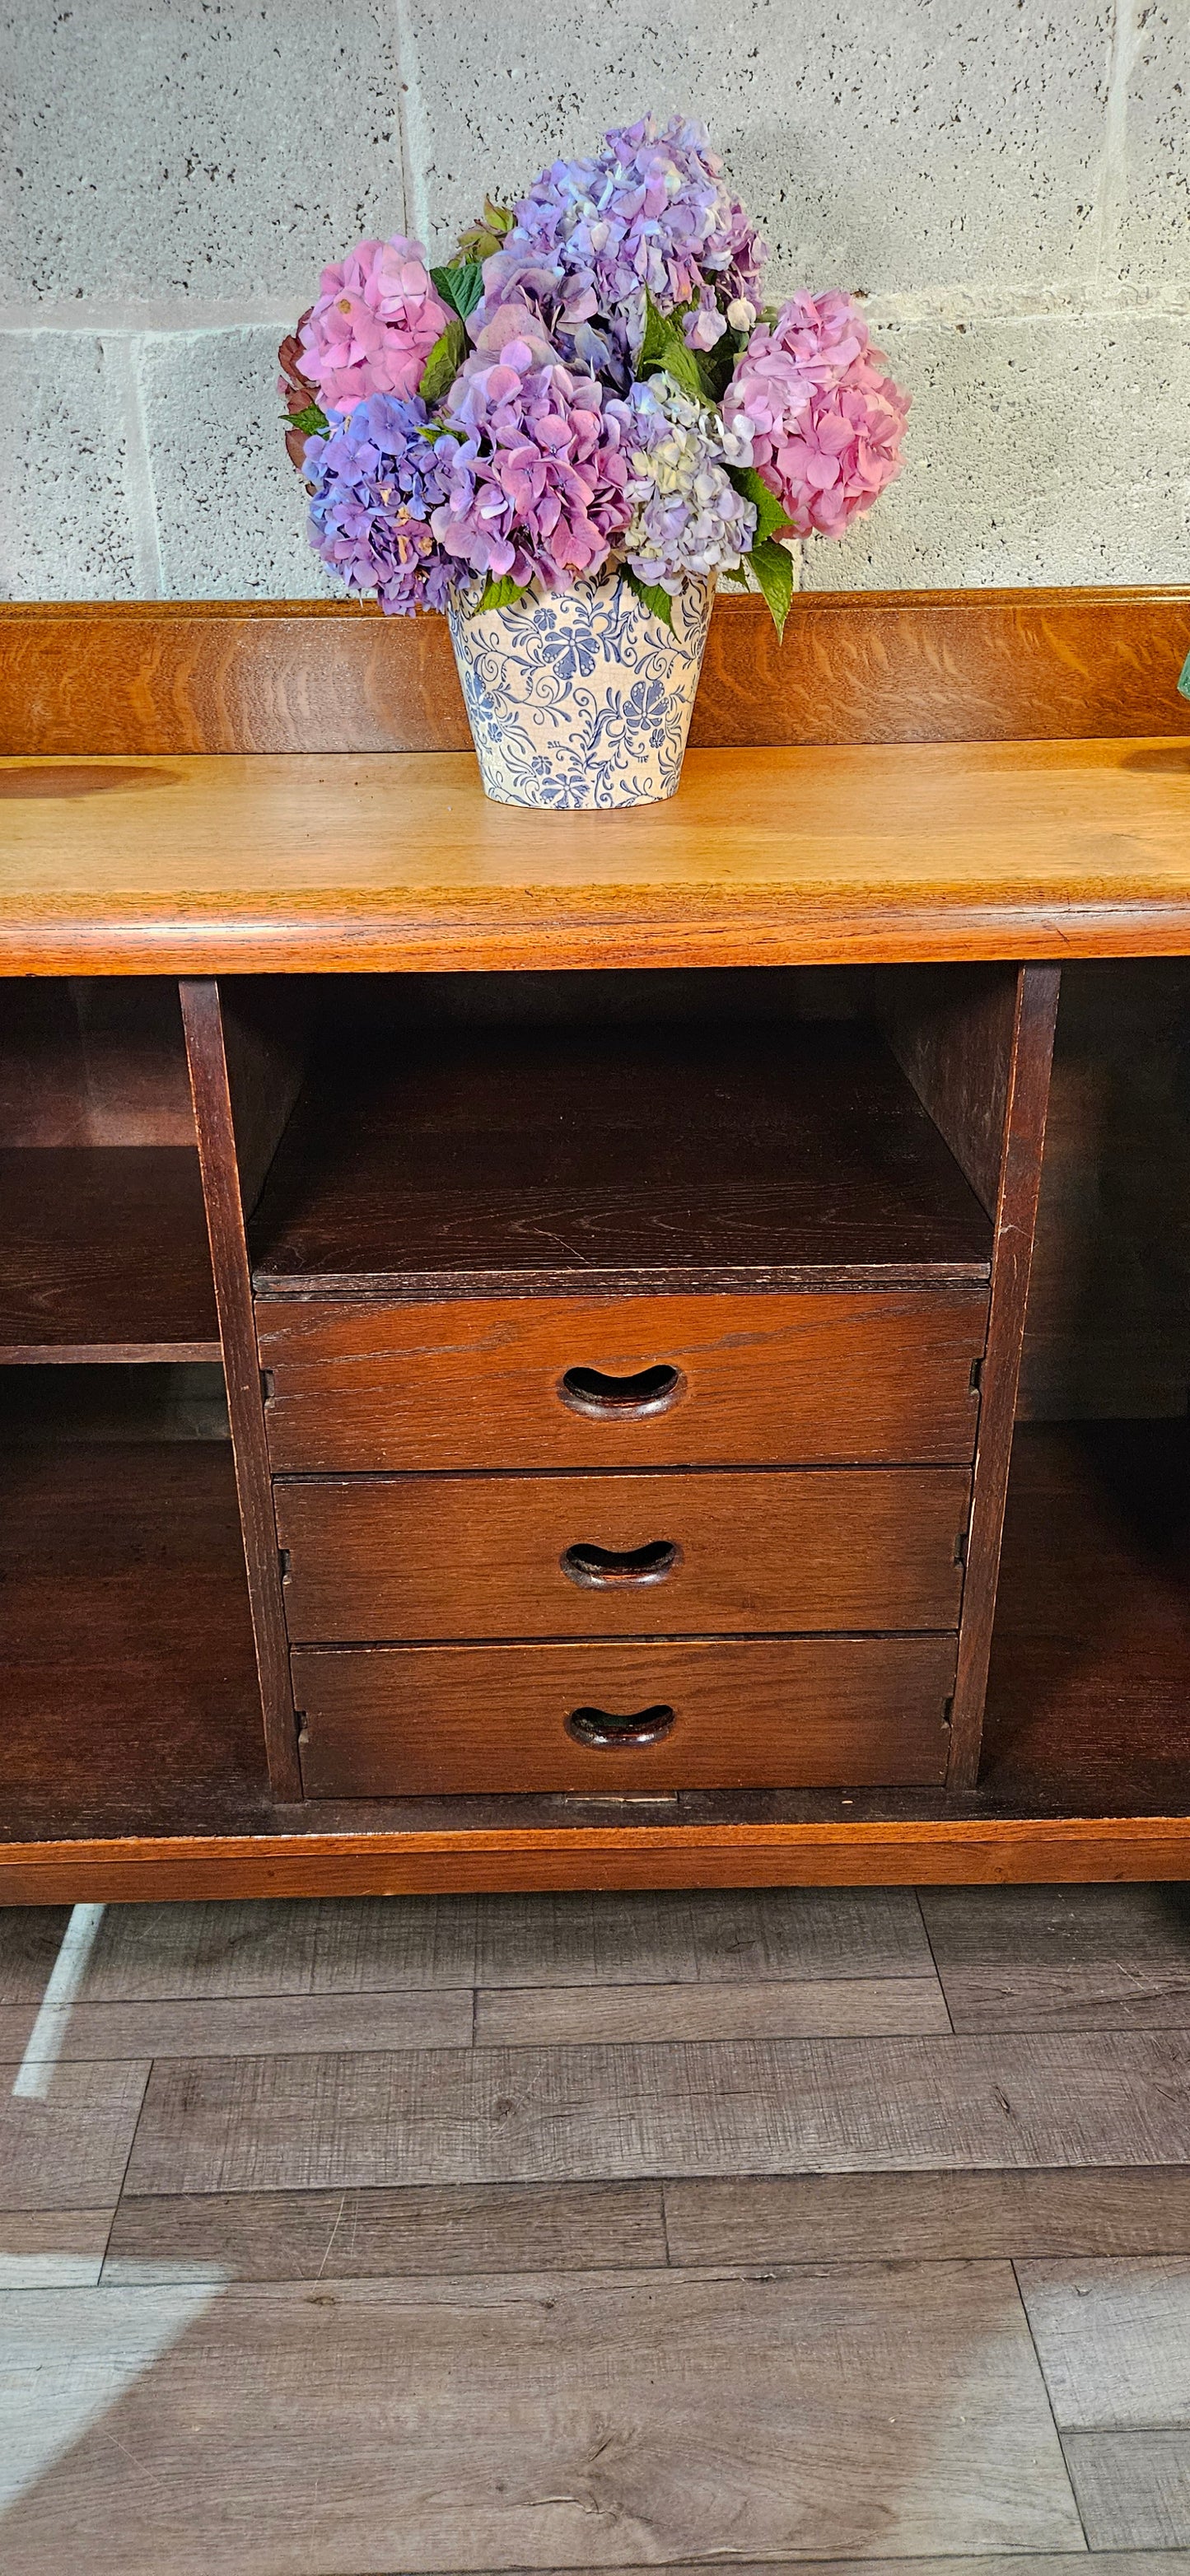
(547,1350)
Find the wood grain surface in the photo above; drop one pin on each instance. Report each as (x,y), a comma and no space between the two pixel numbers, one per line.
(76,2159)
(837,2008)
(475,1383)
(124,1592)
(1027,1049)
(1092,1639)
(701,1154)
(906,852)
(1064,1958)
(211,1066)
(381,1723)
(894,2217)
(171,676)
(533,2421)
(934,1849)
(419,1557)
(669,2108)
(94,1061)
(1133,2489)
(1108,1324)
(488,2227)
(104,1254)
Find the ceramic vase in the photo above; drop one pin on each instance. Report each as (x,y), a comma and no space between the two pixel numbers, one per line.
(583,699)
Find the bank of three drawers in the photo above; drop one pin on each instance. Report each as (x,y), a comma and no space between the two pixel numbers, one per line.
(617,1545)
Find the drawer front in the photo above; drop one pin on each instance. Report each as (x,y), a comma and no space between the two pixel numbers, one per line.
(593,1556)
(783,1713)
(622,1381)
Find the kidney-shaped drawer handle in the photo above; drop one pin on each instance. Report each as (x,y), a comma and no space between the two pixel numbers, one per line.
(602,1728)
(619,1399)
(604,1569)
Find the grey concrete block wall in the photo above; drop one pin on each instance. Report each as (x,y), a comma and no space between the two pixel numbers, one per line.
(1007,181)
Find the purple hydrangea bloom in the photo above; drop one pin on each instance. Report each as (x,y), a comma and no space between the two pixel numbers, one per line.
(689,520)
(376,478)
(533,471)
(649,211)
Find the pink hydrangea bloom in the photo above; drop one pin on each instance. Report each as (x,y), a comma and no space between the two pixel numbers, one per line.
(823,421)
(374,324)
(536,484)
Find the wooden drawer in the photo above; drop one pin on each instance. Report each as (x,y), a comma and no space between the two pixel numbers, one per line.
(779,1713)
(482,1556)
(490,1382)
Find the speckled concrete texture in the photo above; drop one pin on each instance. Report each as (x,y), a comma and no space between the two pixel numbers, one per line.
(1039,451)
(230,507)
(1007,181)
(195,150)
(909,147)
(67,529)
(1154,198)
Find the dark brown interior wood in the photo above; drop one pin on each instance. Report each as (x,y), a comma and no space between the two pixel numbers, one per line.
(841,1376)
(411,1557)
(719,1713)
(104,1254)
(953,1035)
(313,675)
(701,1157)
(130,1691)
(92,1060)
(211,1082)
(131,1705)
(1026,1093)
(1108,1324)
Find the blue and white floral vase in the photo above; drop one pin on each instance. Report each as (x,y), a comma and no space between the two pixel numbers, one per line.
(581,699)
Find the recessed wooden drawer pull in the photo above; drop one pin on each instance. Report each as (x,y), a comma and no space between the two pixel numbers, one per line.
(601,1568)
(617,1399)
(599,1727)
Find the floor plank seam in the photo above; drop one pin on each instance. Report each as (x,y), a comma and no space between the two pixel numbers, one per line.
(1069,2475)
(941,1981)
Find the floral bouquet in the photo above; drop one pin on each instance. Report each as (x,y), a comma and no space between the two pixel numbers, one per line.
(589,397)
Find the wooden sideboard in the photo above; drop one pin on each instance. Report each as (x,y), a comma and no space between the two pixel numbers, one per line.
(518,1365)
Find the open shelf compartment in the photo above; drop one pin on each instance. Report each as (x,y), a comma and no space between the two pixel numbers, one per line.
(103,1240)
(687,1147)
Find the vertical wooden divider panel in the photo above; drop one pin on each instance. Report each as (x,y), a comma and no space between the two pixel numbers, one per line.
(1027,1098)
(977,1044)
(243,1089)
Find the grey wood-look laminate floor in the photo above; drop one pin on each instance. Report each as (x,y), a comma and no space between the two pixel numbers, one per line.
(827,2228)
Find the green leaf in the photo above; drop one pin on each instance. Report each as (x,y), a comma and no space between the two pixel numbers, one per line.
(477,241)
(311,421)
(681,362)
(459,287)
(656,330)
(770,512)
(773,568)
(444,361)
(664,351)
(1184,682)
(738,574)
(717,366)
(651,595)
(499,591)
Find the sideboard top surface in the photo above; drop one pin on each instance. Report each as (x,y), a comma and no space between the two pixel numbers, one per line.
(226,863)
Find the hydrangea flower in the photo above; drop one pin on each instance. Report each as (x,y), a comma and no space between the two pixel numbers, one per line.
(546,461)
(533,471)
(823,422)
(650,210)
(376,479)
(374,324)
(688,518)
